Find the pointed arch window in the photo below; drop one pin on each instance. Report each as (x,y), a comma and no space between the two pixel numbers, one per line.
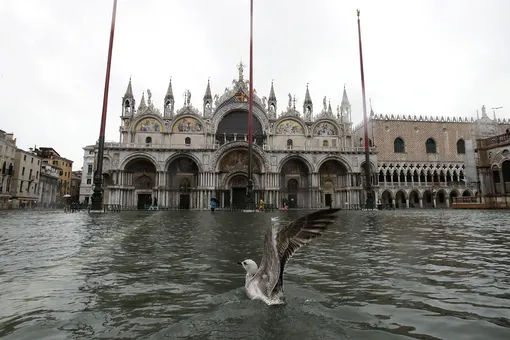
(430,146)
(461,146)
(187,141)
(399,145)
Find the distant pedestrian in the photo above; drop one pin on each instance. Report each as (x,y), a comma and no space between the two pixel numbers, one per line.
(212,204)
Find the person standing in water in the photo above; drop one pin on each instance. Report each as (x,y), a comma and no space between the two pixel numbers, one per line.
(212,204)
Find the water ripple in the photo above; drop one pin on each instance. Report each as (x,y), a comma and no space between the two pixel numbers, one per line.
(384,275)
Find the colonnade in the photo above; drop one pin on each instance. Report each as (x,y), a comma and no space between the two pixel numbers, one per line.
(208,185)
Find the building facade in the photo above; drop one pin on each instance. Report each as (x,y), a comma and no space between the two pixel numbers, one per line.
(25,182)
(7,160)
(427,161)
(494,169)
(75,185)
(184,157)
(52,157)
(49,185)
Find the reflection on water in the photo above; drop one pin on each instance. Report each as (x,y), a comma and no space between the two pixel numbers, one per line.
(425,274)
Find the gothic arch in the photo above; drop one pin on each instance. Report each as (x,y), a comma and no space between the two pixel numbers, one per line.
(325,120)
(226,109)
(296,119)
(403,192)
(226,179)
(467,192)
(178,155)
(141,155)
(196,129)
(297,157)
(138,119)
(373,168)
(226,148)
(336,158)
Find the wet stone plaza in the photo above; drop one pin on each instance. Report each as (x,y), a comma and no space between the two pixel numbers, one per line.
(409,274)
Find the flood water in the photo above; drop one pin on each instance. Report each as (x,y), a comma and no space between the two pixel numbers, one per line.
(423,274)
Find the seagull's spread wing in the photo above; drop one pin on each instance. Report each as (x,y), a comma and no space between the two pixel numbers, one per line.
(297,234)
(269,269)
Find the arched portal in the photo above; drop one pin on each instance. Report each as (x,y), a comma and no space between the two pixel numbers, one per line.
(428,199)
(142,175)
(182,180)
(386,198)
(414,199)
(295,183)
(441,199)
(506,176)
(453,195)
(235,163)
(400,199)
(336,173)
(234,127)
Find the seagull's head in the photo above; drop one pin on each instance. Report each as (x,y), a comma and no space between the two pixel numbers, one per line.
(249,265)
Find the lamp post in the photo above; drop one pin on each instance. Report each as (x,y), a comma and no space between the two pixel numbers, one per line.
(368,183)
(97,195)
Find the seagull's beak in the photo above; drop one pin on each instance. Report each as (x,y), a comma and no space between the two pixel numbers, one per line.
(240,263)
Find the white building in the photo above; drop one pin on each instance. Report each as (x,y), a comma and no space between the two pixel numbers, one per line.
(7,153)
(187,156)
(48,185)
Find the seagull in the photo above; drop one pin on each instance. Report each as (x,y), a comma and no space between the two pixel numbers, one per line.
(266,282)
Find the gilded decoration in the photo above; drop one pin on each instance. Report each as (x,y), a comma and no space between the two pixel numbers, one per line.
(238,161)
(187,124)
(289,126)
(148,125)
(325,129)
(241,97)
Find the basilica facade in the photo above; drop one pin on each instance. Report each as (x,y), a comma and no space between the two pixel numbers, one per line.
(184,157)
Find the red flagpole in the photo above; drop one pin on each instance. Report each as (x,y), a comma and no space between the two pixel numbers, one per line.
(97,196)
(250,116)
(368,184)
(250,203)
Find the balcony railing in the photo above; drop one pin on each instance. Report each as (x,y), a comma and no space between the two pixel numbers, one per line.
(218,145)
(492,142)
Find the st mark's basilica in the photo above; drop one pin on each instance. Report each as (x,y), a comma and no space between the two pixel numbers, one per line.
(186,156)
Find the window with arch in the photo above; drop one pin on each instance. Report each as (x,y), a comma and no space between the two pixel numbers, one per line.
(430,146)
(187,141)
(325,143)
(399,146)
(289,143)
(148,140)
(461,146)
(292,185)
(185,185)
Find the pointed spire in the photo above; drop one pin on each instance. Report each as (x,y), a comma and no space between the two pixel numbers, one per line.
(272,96)
(129,90)
(345,100)
(208,94)
(142,105)
(169,91)
(329,108)
(308,98)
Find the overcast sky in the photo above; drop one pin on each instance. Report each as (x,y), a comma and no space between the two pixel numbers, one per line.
(434,57)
